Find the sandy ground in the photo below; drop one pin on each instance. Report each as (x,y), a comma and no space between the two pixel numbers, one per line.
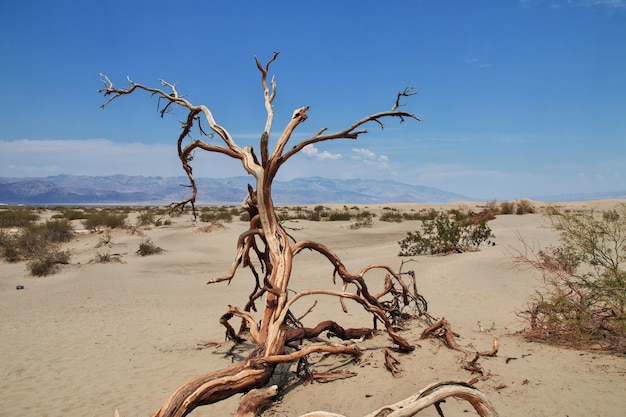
(98,337)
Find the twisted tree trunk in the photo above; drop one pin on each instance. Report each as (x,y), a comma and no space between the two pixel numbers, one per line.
(274,250)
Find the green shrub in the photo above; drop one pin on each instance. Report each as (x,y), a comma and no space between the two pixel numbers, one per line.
(447,233)
(31,243)
(584,300)
(17,217)
(147,247)
(69,214)
(212,215)
(391,215)
(56,231)
(8,245)
(105,218)
(339,215)
(47,263)
(145,218)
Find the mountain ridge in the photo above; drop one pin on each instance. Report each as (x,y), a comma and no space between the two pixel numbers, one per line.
(128,189)
(141,190)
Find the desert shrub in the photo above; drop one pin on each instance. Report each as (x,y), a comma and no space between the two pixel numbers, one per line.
(55,231)
(314,216)
(104,218)
(8,245)
(30,242)
(362,222)
(492,207)
(446,234)
(147,247)
(221,214)
(17,217)
(145,218)
(47,263)
(507,207)
(584,300)
(391,215)
(69,214)
(37,243)
(105,239)
(106,257)
(364,215)
(339,215)
(525,206)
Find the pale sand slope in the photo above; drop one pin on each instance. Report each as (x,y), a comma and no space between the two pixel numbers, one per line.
(99,337)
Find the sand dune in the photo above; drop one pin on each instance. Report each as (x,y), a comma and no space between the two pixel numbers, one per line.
(98,337)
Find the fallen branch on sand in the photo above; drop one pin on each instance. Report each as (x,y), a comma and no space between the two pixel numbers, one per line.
(433,395)
(442,330)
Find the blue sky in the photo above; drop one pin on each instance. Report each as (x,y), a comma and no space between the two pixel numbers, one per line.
(519,98)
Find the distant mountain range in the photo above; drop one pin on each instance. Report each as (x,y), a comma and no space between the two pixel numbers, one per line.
(140,190)
(124,189)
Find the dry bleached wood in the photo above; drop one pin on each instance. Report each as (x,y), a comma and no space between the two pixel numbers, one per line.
(431,395)
(267,250)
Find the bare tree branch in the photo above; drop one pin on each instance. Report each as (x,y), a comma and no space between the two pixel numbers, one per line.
(277,330)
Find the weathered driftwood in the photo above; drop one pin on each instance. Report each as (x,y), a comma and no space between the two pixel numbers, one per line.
(429,396)
(442,330)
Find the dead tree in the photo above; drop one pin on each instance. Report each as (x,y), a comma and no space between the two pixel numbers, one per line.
(274,333)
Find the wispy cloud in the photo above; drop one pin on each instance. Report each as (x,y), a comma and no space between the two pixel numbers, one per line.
(312,152)
(615,4)
(370,158)
(557,4)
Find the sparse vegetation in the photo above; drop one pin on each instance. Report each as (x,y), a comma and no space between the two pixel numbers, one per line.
(584,301)
(105,218)
(521,206)
(69,213)
(147,247)
(47,263)
(449,232)
(391,215)
(214,214)
(525,206)
(17,217)
(362,222)
(38,244)
(146,217)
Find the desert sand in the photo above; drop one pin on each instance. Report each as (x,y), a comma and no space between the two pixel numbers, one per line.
(97,337)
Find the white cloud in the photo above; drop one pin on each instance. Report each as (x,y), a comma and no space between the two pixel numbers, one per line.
(312,152)
(369,158)
(362,153)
